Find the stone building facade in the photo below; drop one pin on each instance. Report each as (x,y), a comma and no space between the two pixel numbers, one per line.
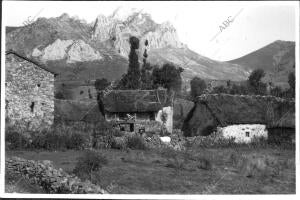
(139,109)
(244,133)
(29,93)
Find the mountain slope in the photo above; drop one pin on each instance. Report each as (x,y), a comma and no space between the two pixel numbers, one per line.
(81,51)
(277,59)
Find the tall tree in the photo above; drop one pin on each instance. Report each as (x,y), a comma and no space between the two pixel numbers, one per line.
(168,77)
(132,80)
(101,84)
(146,71)
(198,86)
(255,82)
(292,80)
(292,83)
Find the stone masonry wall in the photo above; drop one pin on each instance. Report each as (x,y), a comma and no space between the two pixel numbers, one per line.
(29,94)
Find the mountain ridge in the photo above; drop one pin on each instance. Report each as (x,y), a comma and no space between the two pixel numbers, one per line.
(103,48)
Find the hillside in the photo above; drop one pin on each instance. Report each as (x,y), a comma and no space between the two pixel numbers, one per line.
(277,59)
(81,51)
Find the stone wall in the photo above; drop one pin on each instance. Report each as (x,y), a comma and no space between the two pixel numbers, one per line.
(244,133)
(29,94)
(52,181)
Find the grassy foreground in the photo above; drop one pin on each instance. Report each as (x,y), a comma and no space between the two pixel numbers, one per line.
(151,172)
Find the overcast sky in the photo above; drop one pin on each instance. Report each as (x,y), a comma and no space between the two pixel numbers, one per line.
(198,23)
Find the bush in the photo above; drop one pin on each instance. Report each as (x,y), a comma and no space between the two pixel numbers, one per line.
(173,159)
(119,143)
(90,162)
(15,140)
(136,142)
(76,141)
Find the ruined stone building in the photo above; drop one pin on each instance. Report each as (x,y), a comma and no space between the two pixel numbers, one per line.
(134,109)
(29,93)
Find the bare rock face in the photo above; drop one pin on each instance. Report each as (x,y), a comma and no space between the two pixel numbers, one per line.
(71,50)
(119,27)
(164,36)
(81,52)
(103,27)
(57,50)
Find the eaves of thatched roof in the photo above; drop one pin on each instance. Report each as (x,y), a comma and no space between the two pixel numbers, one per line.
(245,109)
(134,101)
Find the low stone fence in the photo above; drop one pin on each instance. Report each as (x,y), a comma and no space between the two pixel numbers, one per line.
(50,179)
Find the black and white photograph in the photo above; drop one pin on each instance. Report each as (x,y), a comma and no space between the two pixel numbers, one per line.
(163,98)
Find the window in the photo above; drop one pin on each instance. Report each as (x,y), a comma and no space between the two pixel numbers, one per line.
(247,134)
(32,107)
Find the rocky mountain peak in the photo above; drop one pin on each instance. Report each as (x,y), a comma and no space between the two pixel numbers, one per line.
(71,50)
(64,17)
(124,23)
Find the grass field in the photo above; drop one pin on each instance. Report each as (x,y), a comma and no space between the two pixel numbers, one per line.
(149,172)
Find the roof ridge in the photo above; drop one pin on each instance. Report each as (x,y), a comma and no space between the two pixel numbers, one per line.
(30,60)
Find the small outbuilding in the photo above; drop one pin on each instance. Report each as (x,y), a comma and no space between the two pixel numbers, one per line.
(139,110)
(244,133)
(241,116)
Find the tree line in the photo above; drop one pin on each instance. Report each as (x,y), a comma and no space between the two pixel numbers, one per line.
(147,76)
(254,85)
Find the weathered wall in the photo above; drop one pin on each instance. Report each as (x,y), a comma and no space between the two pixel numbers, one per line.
(29,94)
(244,133)
(53,181)
(169,122)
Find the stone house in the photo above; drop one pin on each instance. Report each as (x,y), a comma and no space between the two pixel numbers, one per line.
(139,109)
(241,116)
(29,92)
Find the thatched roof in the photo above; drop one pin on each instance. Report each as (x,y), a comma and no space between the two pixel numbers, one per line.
(213,110)
(246,109)
(71,110)
(135,100)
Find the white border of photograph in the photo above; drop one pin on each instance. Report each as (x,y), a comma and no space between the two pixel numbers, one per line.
(147,196)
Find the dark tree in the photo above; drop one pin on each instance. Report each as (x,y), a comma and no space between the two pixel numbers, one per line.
(239,89)
(168,77)
(292,81)
(132,80)
(255,82)
(198,86)
(290,93)
(219,90)
(101,84)
(146,82)
(276,91)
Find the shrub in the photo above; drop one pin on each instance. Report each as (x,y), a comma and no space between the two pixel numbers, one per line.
(15,140)
(173,158)
(55,141)
(204,163)
(119,143)
(76,141)
(136,142)
(90,162)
